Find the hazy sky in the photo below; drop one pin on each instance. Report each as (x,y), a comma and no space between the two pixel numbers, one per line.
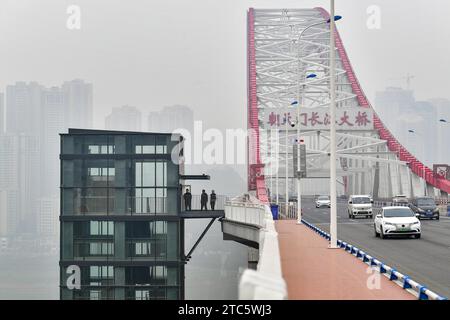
(151,53)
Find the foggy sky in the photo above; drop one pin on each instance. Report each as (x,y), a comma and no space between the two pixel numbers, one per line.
(152,53)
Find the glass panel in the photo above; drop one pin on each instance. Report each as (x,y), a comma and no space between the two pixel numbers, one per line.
(94,228)
(148,149)
(148,174)
(161,198)
(95,201)
(94,272)
(161,149)
(161,174)
(93,149)
(110,228)
(110,271)
(160,227)
(138,174)
(94,295)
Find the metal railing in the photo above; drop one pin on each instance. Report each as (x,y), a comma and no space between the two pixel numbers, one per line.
(287,212)
(93,205)
(196,203)
(248,213)
(144,248)
(104,205)
(147,205)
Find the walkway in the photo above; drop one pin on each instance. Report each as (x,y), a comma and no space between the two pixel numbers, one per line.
(314,272)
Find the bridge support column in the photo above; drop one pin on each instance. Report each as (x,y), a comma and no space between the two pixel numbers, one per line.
(376,180)
(363,180)
(400,180)
(430,190)
(389,176)
(356,177)
(253,258)
(411,186)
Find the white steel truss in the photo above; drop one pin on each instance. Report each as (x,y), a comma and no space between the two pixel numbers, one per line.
(365,164)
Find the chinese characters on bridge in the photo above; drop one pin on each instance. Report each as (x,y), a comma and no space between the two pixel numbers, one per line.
(319,118)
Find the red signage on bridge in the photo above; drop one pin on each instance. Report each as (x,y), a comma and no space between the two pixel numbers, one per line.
(441,171)
(318,118)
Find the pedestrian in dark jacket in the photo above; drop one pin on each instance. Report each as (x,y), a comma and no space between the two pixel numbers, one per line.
(212,199)
(187,200)
(204,200)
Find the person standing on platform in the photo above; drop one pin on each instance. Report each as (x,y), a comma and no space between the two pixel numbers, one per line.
(187,200)
(204,200)
(212,199)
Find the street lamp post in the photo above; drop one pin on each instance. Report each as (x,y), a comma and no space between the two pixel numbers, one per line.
(286,200)
(333,155)
(300,98)
(298,140)
(277,152)
(287,123)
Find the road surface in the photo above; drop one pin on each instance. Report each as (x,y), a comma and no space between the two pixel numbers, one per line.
(425,260)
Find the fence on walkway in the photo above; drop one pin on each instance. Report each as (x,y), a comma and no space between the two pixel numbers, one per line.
(196,202)
(287,212)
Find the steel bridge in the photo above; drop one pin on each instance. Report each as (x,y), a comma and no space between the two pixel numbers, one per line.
(285,47)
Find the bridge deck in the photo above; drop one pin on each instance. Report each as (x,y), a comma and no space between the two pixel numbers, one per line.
(312,271)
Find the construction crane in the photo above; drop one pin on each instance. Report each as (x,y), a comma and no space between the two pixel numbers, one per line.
(408,78)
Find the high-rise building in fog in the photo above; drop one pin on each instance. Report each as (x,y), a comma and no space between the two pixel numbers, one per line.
(442,107)
(29,148)
(23,108)
(78,97)
(125,118)
(48,212)
(171,118)
(9,182)
(20,172)
(2,114)
(52,124)
(400,112)
(3,214)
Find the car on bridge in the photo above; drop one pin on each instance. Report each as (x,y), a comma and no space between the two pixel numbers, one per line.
(360,205)
(323,201)
(425,207)
(400,200)
(397,221)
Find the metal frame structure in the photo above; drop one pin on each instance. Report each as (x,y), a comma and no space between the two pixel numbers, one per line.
(370,161)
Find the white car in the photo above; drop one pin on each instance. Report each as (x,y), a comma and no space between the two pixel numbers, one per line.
(397,221)
(323,201)
(359,205)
